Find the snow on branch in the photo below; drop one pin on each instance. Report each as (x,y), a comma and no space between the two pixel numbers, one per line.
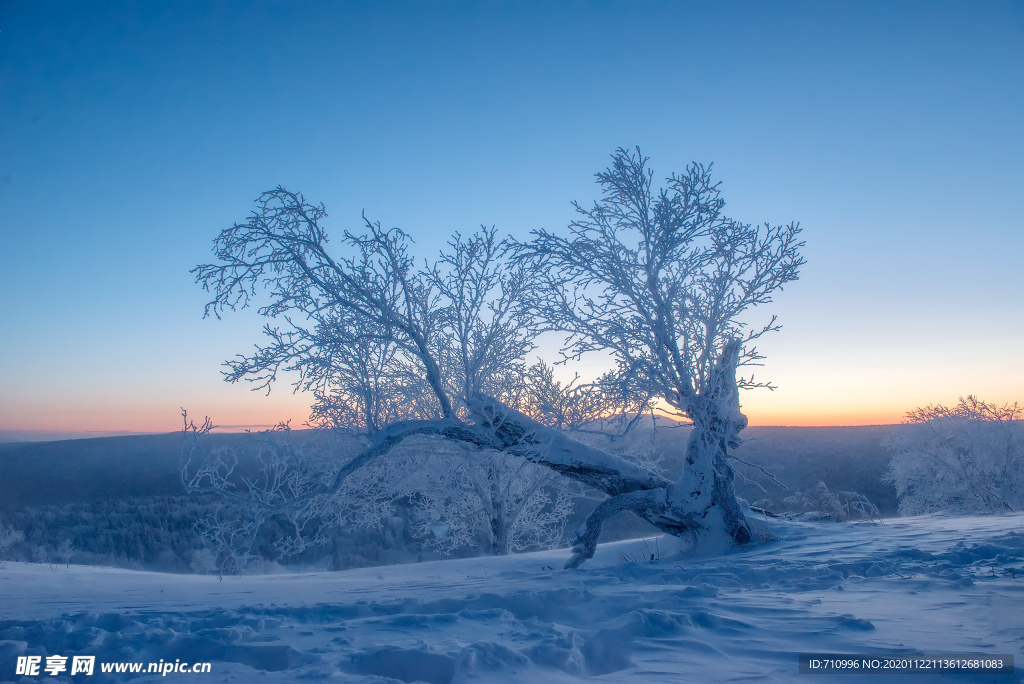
(660,278)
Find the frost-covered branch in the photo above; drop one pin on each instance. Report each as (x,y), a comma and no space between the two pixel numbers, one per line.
(282,251)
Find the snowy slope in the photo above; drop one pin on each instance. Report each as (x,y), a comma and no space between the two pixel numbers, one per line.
(925,585)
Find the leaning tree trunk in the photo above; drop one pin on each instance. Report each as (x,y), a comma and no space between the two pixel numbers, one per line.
(701,503)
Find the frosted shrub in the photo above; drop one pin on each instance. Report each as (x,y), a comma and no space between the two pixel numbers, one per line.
(203,562)
(968,458)
(823,504)
(65,552)
(9,537)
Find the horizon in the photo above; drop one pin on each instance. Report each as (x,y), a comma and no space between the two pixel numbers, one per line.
(40,436)
(136,133)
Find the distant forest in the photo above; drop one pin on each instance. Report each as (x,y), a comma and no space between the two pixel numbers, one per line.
(119,500)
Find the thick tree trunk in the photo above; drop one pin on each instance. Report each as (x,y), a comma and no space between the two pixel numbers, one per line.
(702,502)
(699,504)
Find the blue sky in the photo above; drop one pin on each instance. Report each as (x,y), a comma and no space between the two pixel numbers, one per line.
(133,132)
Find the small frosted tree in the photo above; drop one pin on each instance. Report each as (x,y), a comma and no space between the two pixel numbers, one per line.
(9,538)
(967,458)
(65,552)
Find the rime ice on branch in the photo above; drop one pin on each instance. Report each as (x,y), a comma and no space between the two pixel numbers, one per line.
(660,279)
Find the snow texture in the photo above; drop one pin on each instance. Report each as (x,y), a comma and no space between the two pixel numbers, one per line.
(924,585)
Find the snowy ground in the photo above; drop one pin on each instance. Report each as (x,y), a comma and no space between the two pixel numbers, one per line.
(924,585)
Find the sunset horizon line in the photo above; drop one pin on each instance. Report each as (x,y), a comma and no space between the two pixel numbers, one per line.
(16,435)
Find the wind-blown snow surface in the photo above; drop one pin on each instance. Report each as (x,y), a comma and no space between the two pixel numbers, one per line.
(924,585)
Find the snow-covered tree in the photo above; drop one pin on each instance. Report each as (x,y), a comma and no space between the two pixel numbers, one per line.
(967,458)
(663,280)
(659,279)
(388,350)
(65,552)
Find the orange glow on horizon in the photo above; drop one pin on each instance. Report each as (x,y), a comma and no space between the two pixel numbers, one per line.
(825,419)
(235,409)
(772,411)
(145,416)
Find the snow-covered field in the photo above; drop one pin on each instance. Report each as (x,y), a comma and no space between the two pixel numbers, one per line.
(912,585)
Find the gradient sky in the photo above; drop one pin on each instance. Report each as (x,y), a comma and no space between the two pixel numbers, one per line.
(132,133)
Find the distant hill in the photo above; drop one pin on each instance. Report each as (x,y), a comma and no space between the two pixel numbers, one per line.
(844,458)
(27,436)
(75,470)
(69,471)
